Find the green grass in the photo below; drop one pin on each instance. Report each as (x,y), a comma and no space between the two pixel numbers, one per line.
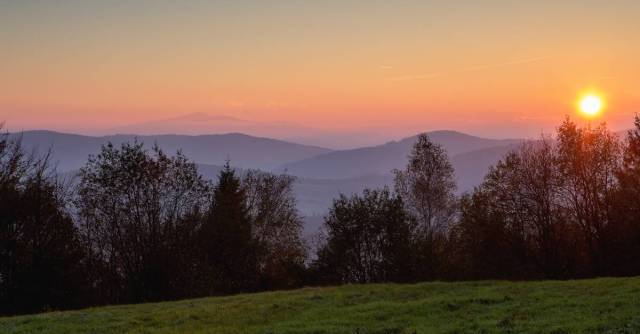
(586,306)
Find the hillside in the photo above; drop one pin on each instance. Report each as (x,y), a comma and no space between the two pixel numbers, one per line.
(70,151)
(204,123)
(350,171)
(382,159)
(586,306)
(471,167)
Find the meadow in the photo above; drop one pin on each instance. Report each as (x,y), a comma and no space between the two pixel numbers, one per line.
(604,305)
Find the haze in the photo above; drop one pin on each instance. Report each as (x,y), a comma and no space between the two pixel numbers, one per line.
(373,69)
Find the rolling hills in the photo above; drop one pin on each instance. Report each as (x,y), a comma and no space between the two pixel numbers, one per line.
(324,176)
(384,158)
(322,173)
(204,123)
(70,151)
(607,305)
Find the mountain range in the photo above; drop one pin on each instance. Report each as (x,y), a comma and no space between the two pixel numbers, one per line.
(70,151)
(203,123)
(322,173)
(384,158)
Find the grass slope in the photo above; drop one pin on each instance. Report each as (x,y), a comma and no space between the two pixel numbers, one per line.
(585,306)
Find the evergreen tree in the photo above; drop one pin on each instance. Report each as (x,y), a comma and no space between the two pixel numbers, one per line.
(228,242)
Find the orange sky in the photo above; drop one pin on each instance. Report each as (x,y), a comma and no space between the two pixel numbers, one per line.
(494,68)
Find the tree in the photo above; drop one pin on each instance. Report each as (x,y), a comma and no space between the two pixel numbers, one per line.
(41,259)
(136,212)
(368,240)
(227,239)
(629,172)
(525,188)
(625,232)
(276,228)
(479,244)
(559,204)
(427,188)
(587,162)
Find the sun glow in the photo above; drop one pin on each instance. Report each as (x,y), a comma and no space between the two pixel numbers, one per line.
(591,104)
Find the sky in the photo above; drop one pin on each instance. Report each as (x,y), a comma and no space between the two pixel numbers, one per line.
(491,68)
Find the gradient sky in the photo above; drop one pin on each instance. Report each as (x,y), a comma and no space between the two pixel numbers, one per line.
(493,68)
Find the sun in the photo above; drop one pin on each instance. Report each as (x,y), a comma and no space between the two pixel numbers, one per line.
(591,104)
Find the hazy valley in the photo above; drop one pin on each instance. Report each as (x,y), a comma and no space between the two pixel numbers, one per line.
(321,173)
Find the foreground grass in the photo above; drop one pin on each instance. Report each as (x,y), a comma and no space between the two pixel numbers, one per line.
(585,306)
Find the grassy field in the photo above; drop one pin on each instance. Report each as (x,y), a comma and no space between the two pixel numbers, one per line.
(586,306)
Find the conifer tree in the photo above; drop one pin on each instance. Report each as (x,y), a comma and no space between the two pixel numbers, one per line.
(228,239)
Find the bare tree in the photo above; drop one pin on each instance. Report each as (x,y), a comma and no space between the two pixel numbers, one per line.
(276,226)
(625,232)
(588,159)
(427,189)
(427,186)
(525,187)
(629,173)
(135,211)
(41,258)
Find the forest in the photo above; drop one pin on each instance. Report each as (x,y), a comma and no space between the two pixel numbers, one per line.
(138,225)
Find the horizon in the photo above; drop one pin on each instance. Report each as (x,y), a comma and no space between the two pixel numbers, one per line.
(317,142)
(333,148)
(170,166)
(360,72)
(101,134)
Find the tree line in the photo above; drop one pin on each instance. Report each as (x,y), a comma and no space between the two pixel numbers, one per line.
(138,225)
(554,208)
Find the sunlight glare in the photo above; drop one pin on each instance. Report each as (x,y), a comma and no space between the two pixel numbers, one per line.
(591,105)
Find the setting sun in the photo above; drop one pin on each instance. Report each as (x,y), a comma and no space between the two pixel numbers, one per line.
(591,105)
(190,156)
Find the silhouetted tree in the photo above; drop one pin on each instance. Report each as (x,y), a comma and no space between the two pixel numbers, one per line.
(145,226)
(556,201)
(427,188)
(227,239)
(525,186)
(624,234)
(276,228)
(136,212)
(587,160)
(368,239)
(479,245)
(41,259)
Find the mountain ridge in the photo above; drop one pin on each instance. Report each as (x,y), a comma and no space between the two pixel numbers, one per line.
(71,150)
(381,159)
(322,174)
